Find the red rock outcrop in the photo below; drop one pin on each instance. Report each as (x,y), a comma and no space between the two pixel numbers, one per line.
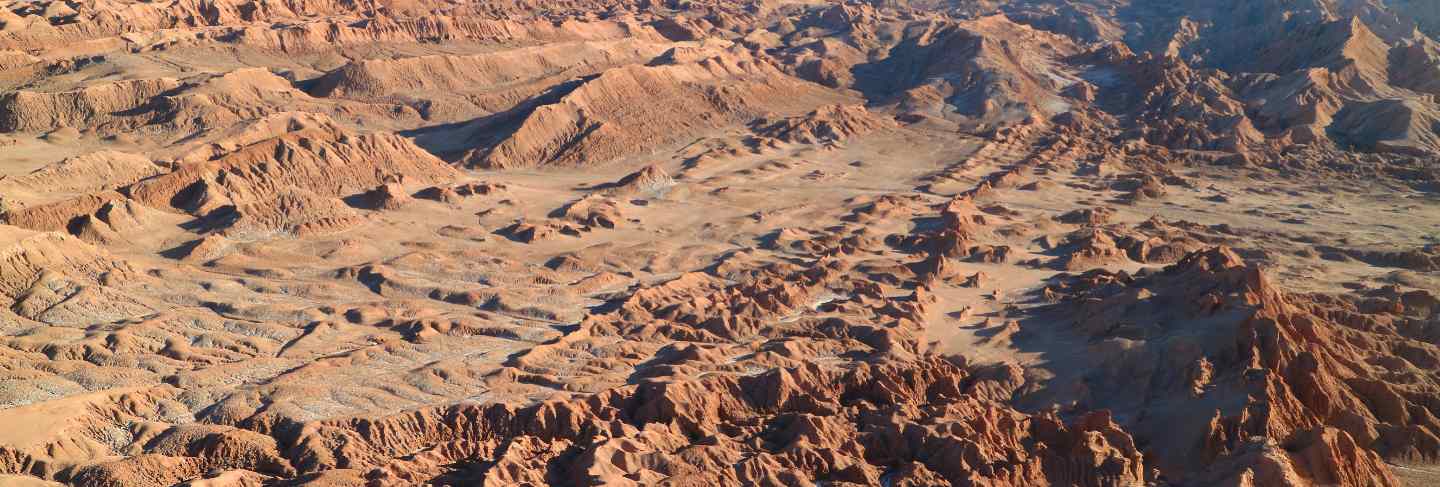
(310,154)
(833,123)
(595,122)
(1306,368)
(648,432)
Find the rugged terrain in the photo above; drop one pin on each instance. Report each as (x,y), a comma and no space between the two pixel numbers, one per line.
(759,242)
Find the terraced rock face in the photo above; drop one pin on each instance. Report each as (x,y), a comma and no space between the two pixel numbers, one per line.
(611,242)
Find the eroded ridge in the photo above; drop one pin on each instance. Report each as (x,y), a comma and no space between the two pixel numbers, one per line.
(591,242)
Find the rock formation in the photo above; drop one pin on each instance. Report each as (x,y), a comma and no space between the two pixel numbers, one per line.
(619,242)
